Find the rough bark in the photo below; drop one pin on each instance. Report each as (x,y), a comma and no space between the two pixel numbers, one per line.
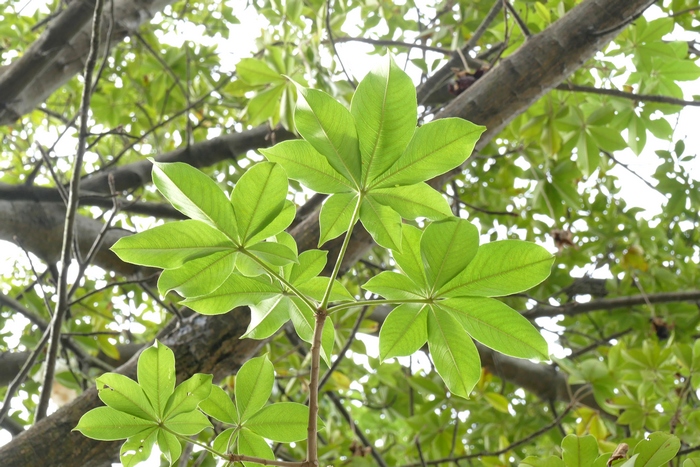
(543,62)
(60,52)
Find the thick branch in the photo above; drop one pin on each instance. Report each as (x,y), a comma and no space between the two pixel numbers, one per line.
(61,51)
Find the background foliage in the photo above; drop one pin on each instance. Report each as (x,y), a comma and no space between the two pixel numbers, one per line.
(620,308)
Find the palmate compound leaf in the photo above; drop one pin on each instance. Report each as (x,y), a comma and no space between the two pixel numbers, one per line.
(443,254)
(393,160)
(150,411)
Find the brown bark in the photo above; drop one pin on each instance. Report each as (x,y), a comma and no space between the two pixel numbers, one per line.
(60,52)
(543,62)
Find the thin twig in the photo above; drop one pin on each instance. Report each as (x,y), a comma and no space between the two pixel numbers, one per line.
(345,348)
(597,343)
(510,447)
(329,8)
(71,212)
(521,24)
(627,95)
(392,43)
(576,308)
(22,375)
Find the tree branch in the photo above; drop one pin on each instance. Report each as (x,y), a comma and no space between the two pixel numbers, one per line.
(575,308)
(627,95)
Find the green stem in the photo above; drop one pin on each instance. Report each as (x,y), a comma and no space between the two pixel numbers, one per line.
(345,306)
(312,426)
(284,281)
(190,440)
(341,255)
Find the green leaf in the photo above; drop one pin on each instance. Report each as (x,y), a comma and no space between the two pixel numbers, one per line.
(316,287)
(498,326)
(265,105)
(107,424)
(188,423)
(219,406)
(138,448)
(692,462)
(587,154)
(501,268)
(253,386)
(170,245)
(393,286)
(447,248)
(273,253)
(188,395)
(284,422)
(255,72)
(267,317)
(497,401)
(304,321)
(607,138)
(195,195)
(413,201)
(310,265)
(169,445)
(199,276)
(236,291)
(658,449)
(579,451)
(302,162)
(258,198)
(125,395)
(335,216)
(382,223)
(283,220)
(156,375)
(454,354)
(436,147)
(226,440)
(385,110)
(404,331)
(253,445)
(330,128)
(409,258)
